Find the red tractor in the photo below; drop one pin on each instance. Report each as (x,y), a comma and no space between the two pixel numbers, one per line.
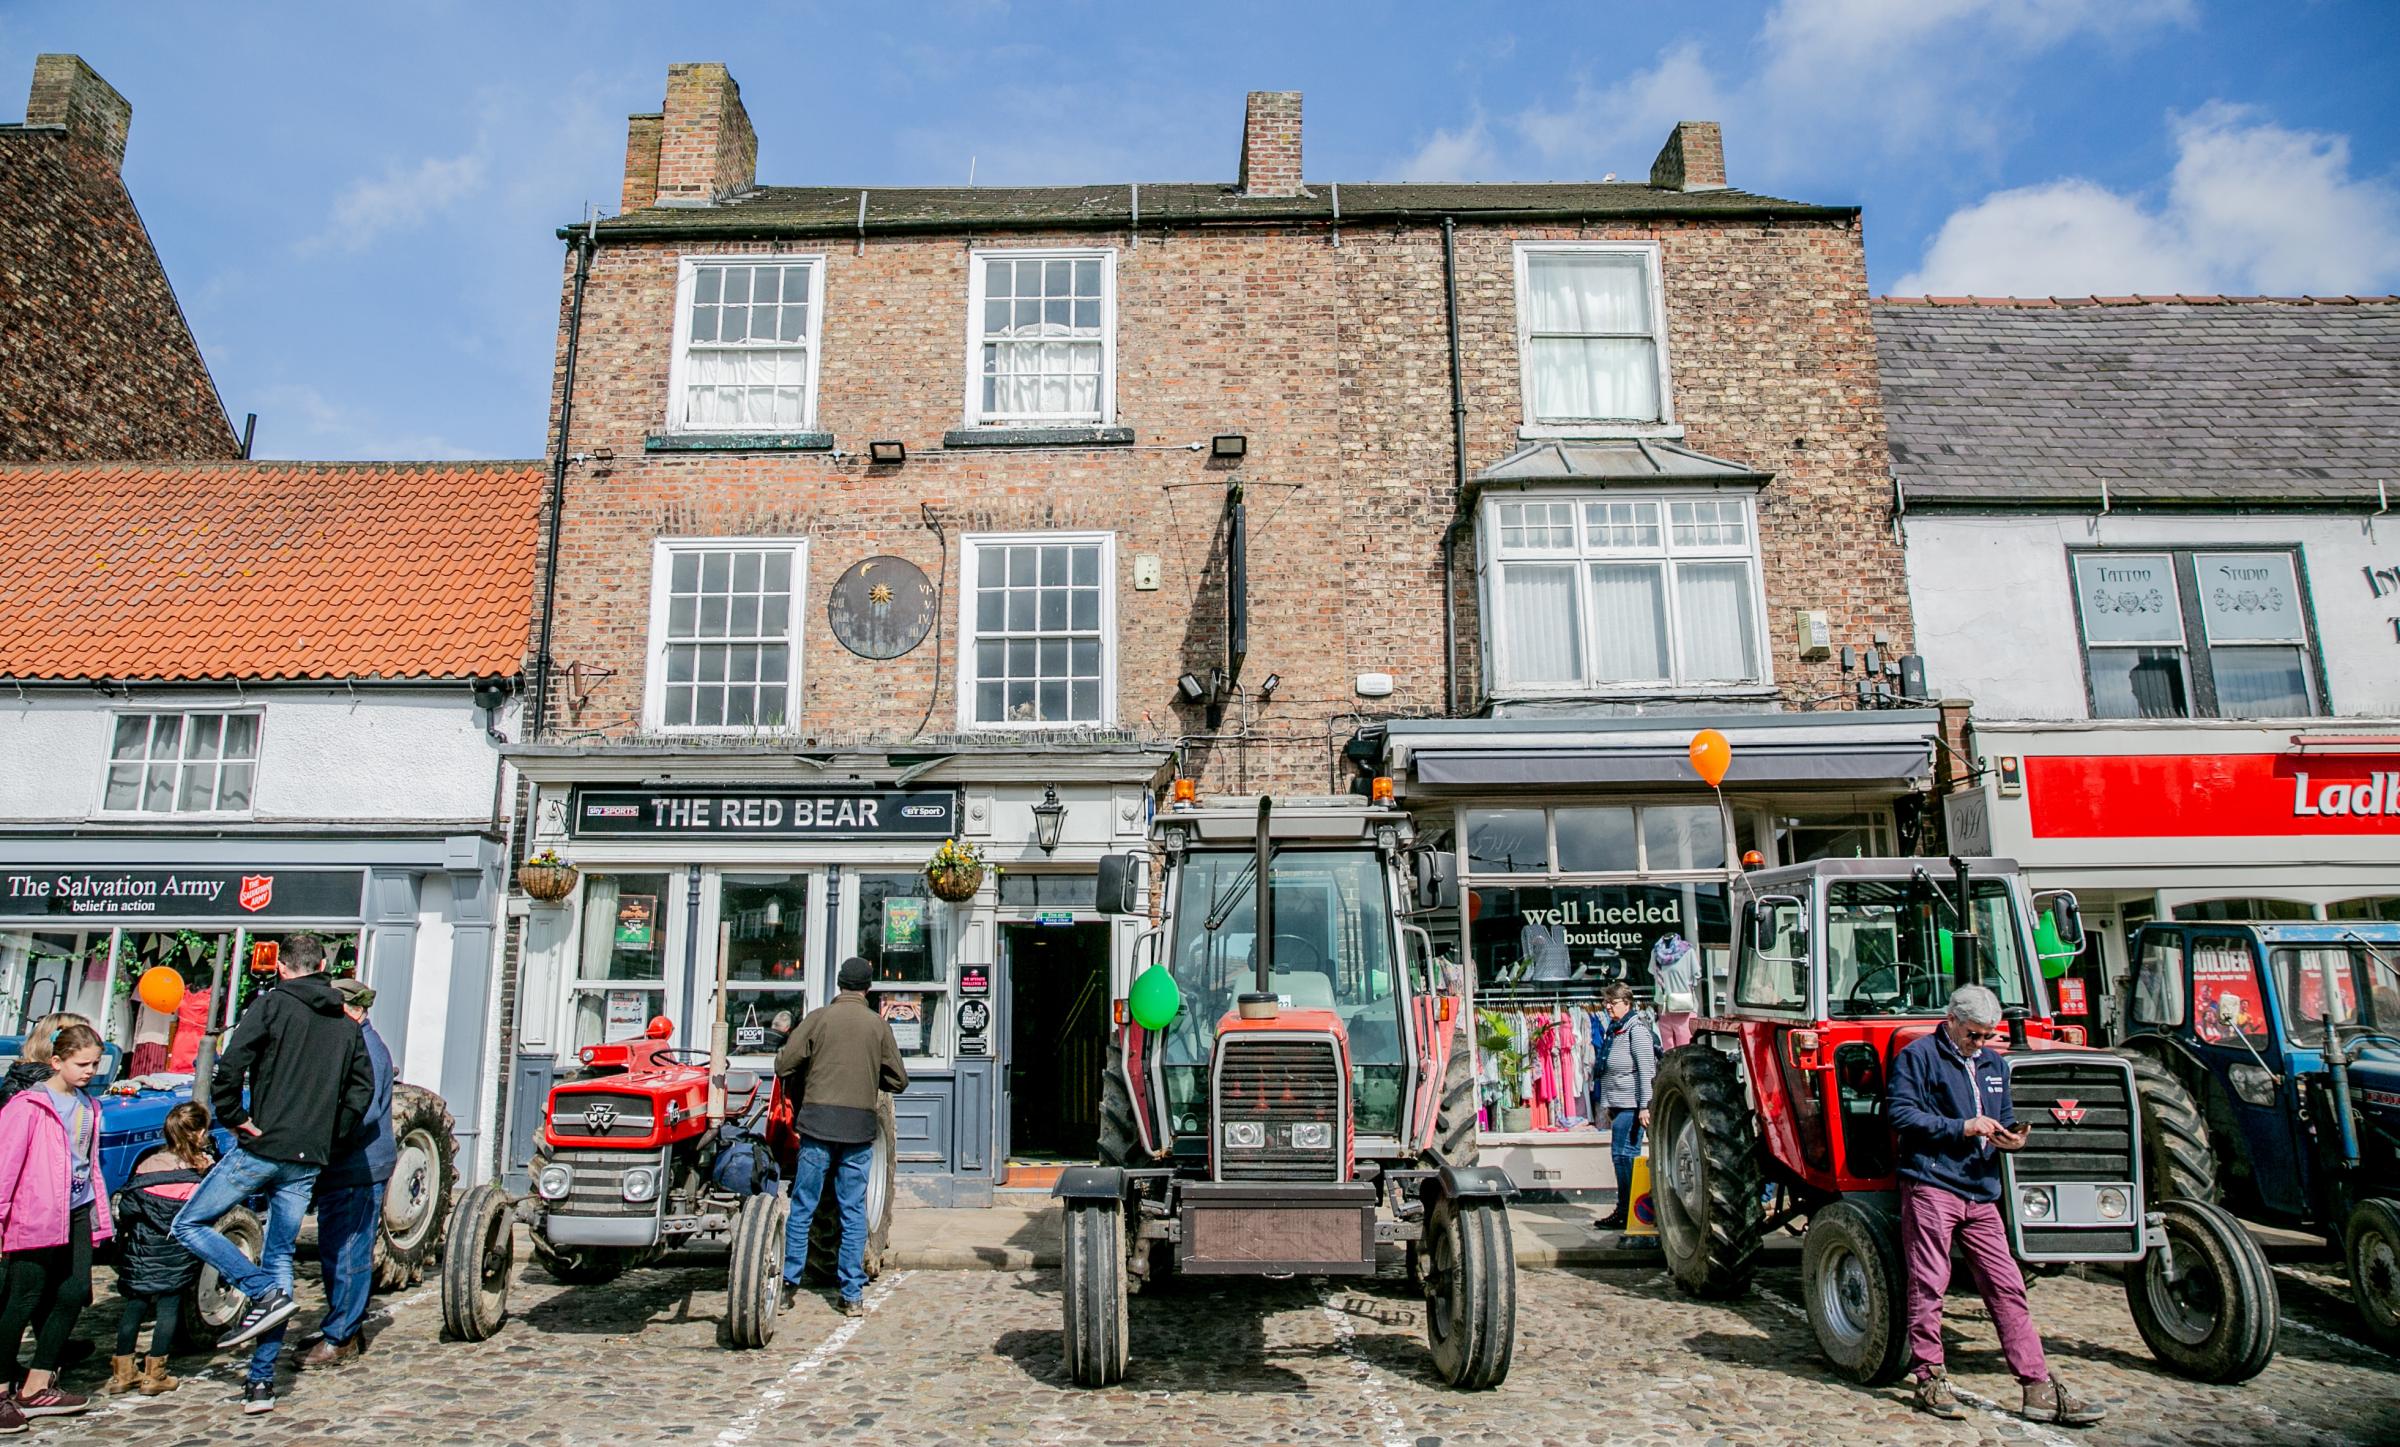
(1302,1097)
(1781,1099)
(646,1149)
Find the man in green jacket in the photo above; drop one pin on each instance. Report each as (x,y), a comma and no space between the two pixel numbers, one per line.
(833,1068)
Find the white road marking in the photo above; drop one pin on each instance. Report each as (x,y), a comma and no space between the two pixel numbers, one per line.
(1390,1427)
(2034,1430)
(747,1425)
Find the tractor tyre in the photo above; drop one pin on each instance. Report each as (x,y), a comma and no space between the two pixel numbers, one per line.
(1856,1289)
(1706,1173)
(825,1229)
(1469,1266)
(754,1274)
(2215,1318)
(1454,1113)
(210,1305)
(1097,1334)
(585,1265)
(416,1201)
(479,1255)
(1120,1139)
(2177,1158)
(2371,1247)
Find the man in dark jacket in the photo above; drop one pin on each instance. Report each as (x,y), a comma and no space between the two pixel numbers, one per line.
(309,1083)
(1951,1113)
(350,1199)
(834,1067)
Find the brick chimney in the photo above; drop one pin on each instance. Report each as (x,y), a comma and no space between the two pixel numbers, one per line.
(1271,144)
(1693,159)
(706,149)
(642,135)
(66,92)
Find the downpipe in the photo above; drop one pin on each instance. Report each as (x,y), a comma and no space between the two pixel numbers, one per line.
(584,246)
(1458,472)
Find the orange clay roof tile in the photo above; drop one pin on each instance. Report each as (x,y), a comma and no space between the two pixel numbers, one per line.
(267,569)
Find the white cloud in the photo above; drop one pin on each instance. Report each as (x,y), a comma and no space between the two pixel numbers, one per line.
(1466,154)
(403,196)
(2250,208)
(299,422)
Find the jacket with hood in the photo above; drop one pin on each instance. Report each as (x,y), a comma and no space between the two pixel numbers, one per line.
(20,1077)
(307,1070)
(151,1262)
(37,1180)
(367,1157)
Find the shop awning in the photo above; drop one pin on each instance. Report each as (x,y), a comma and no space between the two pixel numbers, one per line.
(1518,768)
(1889,749)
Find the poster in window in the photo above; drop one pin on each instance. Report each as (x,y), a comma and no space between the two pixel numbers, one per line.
(637,921)
(628,1014)
(904,1011)
(903,923)
(2226,982)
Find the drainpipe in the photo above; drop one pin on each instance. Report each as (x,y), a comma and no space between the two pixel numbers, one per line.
(558,477)
(1458,473)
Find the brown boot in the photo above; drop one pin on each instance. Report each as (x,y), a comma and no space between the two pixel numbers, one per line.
(121,1376)
(155,1380)
(2050,1401)
(1935,1398)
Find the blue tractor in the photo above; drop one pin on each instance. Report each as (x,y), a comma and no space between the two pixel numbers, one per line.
(2276,1086)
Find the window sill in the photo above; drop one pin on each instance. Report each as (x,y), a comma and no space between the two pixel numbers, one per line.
(1598,431)
(738,442)
(1080,436)
(1640,693)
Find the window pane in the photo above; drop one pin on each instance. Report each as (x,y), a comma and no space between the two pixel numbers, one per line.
(1537,525)
(1683,836)
(2138,683)
(2249,597)
(233,787)
(1620,524)
(1507,841)
(2128,598)
(2260,682)
(132,736)
(204,737)
(1720,632)
(1541,638)
(124,787)
(1596,840)
(199,791)
(1629,621)
(166,735)
(1587,292)
(241,736)
(1579,379)
(158,789)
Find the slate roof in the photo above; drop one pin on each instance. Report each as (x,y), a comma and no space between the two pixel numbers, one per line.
(834,211)
(1634,460)
(267,570)
(2219,401)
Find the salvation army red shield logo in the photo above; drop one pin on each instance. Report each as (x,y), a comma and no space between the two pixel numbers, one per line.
(257,890)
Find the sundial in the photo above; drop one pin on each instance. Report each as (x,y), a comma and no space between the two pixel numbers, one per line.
(881,608)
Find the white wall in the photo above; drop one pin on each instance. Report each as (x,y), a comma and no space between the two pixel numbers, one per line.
(324,756)
(1995,610)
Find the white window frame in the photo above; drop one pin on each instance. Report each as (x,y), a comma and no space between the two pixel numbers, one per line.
(1664,425)
(654,674)
(1499,683)
(678,367)
(109,761)
(972,396)
(970,565)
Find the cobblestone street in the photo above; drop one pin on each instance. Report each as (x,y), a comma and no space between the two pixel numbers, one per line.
(1603,1354)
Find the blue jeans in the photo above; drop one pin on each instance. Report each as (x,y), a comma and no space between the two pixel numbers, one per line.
(346,1221)
(238,1177)
(1624,1143)
(848,1164)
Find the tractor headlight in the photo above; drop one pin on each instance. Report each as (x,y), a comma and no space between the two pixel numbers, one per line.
(2113,1203)
(1188,1124)
(641,1183)
(2036,1203)
(1312,1135)
(1244,1135)
(554,1181)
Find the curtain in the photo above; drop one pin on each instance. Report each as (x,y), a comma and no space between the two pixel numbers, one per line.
(1538,629)
(1591,292)
(599,924)
(758,387)
(1629,621)
(1590,376)
(1720,635)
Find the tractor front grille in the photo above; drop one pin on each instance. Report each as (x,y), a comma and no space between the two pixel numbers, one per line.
(601,1115)
(1290,1094)
(2080,1108)
(599,1185)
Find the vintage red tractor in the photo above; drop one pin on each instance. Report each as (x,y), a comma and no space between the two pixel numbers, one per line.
(627,1167)
(1836,966)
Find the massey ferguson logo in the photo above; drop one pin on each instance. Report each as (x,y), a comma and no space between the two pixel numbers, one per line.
(597,1119)
(2067,1112)
(257,891)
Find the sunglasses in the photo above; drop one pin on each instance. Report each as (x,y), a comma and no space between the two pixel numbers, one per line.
(1978,1035)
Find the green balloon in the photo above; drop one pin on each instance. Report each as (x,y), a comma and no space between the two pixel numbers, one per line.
(2052,951)
(1155,999)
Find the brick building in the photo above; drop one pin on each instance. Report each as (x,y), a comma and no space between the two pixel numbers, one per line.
(891,513)
(96,359)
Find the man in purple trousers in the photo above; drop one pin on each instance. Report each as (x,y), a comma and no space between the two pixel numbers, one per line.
(1951,1112)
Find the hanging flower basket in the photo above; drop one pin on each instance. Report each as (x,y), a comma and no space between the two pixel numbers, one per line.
(955,871)
(546,877)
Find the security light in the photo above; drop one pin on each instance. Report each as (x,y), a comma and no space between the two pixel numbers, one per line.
(887,452)
(1192,688)
(1229,446)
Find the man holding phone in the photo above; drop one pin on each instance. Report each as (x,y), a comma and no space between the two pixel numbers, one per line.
(1951,1114)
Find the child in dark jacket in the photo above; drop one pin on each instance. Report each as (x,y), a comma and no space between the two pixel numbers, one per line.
(153,1272)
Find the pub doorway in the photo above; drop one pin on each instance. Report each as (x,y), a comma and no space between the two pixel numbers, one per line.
(1058,1008)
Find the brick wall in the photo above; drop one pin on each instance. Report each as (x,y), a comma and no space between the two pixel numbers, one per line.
(707,148)
(1271,143)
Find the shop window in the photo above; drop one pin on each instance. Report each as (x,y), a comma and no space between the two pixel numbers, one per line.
(2192,634)
(2244,908)
(1597,840)
(1043,329)
(621,974)
(1040,615)
(764,918)
(1833,836)
(1532,941)
(1622,593)
(2227,1003)
(181,763)
(1591,337)
(724,634)
(904,935)
(746,345)
(2374,906)
(1600,839)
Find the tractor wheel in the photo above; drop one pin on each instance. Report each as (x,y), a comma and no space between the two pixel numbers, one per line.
(1705,1173)
(1470,1281)
(416,1202)
(210,1306)
(754,1275)
(1857,1293)
(1120,1140)
(2177,1159)
(1093,1288)
(825,1230)
(1454,1113)
(2212,1313)
(2371,1245)
(478,1257)
(585,1265)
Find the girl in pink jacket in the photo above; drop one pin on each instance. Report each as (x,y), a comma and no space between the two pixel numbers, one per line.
(53,1208)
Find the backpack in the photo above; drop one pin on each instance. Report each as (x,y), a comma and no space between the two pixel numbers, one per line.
(744,1165)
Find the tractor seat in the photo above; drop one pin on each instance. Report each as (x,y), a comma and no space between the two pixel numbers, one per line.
(1306,989)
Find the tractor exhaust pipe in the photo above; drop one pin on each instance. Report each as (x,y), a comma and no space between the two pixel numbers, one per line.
(1260,1003)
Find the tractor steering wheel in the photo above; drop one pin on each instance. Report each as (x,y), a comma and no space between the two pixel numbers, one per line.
(1901,986)
(1319,963)
(681,1055)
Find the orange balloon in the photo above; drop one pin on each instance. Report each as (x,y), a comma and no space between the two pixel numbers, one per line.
(1711,756)
(160,988)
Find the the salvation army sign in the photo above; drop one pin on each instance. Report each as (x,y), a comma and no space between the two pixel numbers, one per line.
(2193,796)
(181,893)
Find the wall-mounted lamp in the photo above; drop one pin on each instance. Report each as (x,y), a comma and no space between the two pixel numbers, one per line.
(1048,817)
(1192,688)
(887,454)
(1229,446)
(1268,685)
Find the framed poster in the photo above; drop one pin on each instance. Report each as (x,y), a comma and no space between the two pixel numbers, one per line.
(628,1014)
(904,1010)
(903,923)
(637,921)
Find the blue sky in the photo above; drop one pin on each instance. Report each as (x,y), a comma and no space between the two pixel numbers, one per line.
(357,203)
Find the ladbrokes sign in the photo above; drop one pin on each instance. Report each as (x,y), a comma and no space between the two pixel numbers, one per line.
(2190,796)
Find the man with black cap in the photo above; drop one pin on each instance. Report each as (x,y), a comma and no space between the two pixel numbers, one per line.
(835,1066)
